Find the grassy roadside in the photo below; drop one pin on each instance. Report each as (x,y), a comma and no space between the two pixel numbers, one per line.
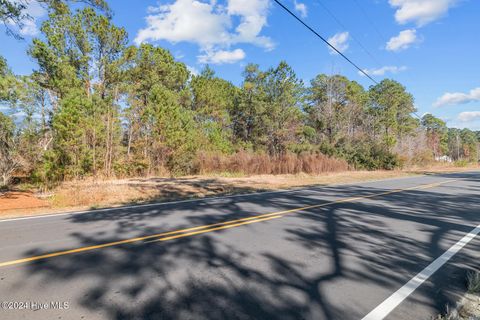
(468,307)
(88,194)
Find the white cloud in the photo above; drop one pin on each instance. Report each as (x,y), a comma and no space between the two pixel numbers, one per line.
(420,12)
(469,116)
(384,70)
(186,20)
(222,56)
(212,26)
(19,114)
(29,28)
(194,71)
(403,41)
(35,11)
(339,41)
(301,8)
(253,17)
(452,98)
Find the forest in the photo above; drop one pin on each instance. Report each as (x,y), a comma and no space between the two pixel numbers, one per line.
(98,107)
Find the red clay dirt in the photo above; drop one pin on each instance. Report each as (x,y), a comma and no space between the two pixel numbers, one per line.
(12,200)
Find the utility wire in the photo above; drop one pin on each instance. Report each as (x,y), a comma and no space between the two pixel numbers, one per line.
(416,114)
(365,14)
(337,20)
(331,46)
(380,35)
(325,40)
(382,38)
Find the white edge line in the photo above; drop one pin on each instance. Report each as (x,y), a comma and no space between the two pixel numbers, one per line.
(387,306)
(51,215)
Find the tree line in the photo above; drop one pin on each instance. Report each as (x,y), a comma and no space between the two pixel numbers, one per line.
(96,106)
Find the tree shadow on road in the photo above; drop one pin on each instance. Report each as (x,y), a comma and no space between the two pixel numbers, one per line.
(304,266)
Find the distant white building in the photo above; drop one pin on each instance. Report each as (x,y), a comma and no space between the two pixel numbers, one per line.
(444,159)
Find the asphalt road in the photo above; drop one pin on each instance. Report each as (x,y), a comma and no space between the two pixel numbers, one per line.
(334,252)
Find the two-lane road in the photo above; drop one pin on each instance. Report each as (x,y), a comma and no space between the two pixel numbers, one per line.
(397,248)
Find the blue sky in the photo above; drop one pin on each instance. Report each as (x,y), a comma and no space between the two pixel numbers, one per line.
(430,46)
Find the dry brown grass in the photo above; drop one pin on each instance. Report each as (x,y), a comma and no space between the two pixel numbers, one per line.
(114,192)
(272,182)
(250,163)
(85,194)
(439,168)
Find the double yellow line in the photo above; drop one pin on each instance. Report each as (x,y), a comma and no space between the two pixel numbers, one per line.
(182,233)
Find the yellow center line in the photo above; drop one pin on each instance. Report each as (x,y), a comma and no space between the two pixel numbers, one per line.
(213,229)
(171,235)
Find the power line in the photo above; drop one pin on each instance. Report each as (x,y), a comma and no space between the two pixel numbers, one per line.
(325,40)
(334,17)
(383,39)
(365,14)
(330,45)
(416,114)
(380,35)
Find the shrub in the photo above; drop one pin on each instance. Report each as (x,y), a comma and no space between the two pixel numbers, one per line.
(461,163)
(473,282)
(48,174)
(134,167)
(181,162)
(369,156)
(422,157)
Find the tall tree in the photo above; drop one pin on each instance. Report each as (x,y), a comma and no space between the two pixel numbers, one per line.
(470,145)
(15,12)
(268,112)
(212,103)
(392,106)
(8,84)
(436,134)
(283,111)
(79,66)
(336,107)
(248,106)
(159,100)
